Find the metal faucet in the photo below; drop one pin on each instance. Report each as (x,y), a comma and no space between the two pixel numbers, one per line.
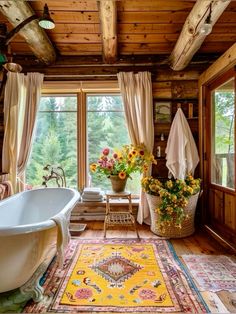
(54,174)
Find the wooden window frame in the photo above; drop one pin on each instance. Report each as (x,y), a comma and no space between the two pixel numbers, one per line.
(208,89)
(81,89)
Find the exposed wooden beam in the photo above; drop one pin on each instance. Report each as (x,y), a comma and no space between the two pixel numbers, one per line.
(38,41)
(191,39)
(93,67)
(108,20)
(159,74)
(224,63)
(202,60)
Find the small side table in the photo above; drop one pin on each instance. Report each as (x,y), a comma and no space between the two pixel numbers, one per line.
(118,218)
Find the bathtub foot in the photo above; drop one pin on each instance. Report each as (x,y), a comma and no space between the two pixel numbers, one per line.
(32,288)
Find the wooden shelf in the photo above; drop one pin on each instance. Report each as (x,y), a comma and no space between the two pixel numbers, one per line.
(189,107)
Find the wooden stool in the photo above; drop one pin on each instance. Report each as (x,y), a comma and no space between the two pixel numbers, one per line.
(118,218)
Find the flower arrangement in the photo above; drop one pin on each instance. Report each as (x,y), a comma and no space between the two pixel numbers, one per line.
(123,162)
(174,196)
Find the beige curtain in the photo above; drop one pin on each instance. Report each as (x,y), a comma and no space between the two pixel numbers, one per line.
(22,95)
(13,102)
(136,91)
(33,85)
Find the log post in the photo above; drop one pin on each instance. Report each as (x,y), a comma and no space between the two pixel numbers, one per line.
(108,19)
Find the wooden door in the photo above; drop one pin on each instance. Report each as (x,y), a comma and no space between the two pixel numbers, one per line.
(220,162)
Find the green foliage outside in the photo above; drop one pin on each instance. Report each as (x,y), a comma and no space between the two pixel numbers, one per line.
(107,128)
(224,111)
(55,140)
(224,122)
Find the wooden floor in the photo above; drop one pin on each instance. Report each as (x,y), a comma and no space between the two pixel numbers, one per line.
(199,243)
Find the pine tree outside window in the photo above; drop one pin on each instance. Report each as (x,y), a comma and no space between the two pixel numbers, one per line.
(55,141)
(59,128)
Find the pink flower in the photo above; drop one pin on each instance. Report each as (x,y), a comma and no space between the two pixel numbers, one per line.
(83,293)
(109,165)
(106,151)
(147,294)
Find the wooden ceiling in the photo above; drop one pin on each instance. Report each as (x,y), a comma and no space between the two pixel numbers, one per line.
(144,27)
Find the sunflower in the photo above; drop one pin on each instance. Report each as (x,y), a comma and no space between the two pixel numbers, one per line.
(134,152)
(93,167)
(141,152)
(122,175)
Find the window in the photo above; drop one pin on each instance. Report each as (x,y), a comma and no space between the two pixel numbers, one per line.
(101,123)
(55,141)
(106,127)
(223,130)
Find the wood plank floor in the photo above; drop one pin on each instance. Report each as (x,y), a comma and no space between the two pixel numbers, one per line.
(199,243)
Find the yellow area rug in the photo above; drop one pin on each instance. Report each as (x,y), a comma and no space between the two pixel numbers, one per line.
(121,276)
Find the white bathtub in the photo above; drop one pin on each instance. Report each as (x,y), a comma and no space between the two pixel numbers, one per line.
(28,236)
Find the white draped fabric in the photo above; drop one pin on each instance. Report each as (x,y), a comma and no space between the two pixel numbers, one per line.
(22,95)
(181,151)
(136,91)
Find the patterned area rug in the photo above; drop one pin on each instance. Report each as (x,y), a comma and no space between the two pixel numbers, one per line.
(120,276)
(212,272)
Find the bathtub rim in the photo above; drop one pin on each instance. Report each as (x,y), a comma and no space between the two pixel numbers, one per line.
(40,226)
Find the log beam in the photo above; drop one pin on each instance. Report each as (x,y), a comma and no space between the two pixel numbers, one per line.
(191,39)
(93,67)
(222,64)
(108,20)
(38,41)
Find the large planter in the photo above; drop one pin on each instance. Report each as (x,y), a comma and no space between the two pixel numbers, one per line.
(118,185)
(172,231)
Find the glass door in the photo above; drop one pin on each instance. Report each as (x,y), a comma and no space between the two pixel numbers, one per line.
(223,135)
(219,161)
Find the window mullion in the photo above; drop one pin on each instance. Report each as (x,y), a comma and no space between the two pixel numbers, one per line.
(82,143)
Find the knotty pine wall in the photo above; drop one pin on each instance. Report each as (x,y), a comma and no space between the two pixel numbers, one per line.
(175,93)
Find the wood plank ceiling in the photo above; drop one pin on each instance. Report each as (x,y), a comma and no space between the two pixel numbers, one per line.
(149,27)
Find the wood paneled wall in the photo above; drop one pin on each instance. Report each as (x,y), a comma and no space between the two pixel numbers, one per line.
(177,93)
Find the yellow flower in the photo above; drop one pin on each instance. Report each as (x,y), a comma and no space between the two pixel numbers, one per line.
(169,184)
(145,167)
(174,198)
(153,187)
(122,175)
(134,152)
(190,190)
(141,152)
(93,167)
(169,210)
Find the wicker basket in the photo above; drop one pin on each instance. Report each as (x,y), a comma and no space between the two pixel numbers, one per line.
(172,231)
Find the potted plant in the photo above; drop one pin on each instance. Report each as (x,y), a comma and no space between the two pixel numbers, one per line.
(121,163)
(172,205)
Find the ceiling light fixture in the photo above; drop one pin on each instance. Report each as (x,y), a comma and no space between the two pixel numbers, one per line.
(46,21)
(206,28)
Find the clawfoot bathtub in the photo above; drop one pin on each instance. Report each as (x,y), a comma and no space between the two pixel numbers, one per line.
(28,236)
